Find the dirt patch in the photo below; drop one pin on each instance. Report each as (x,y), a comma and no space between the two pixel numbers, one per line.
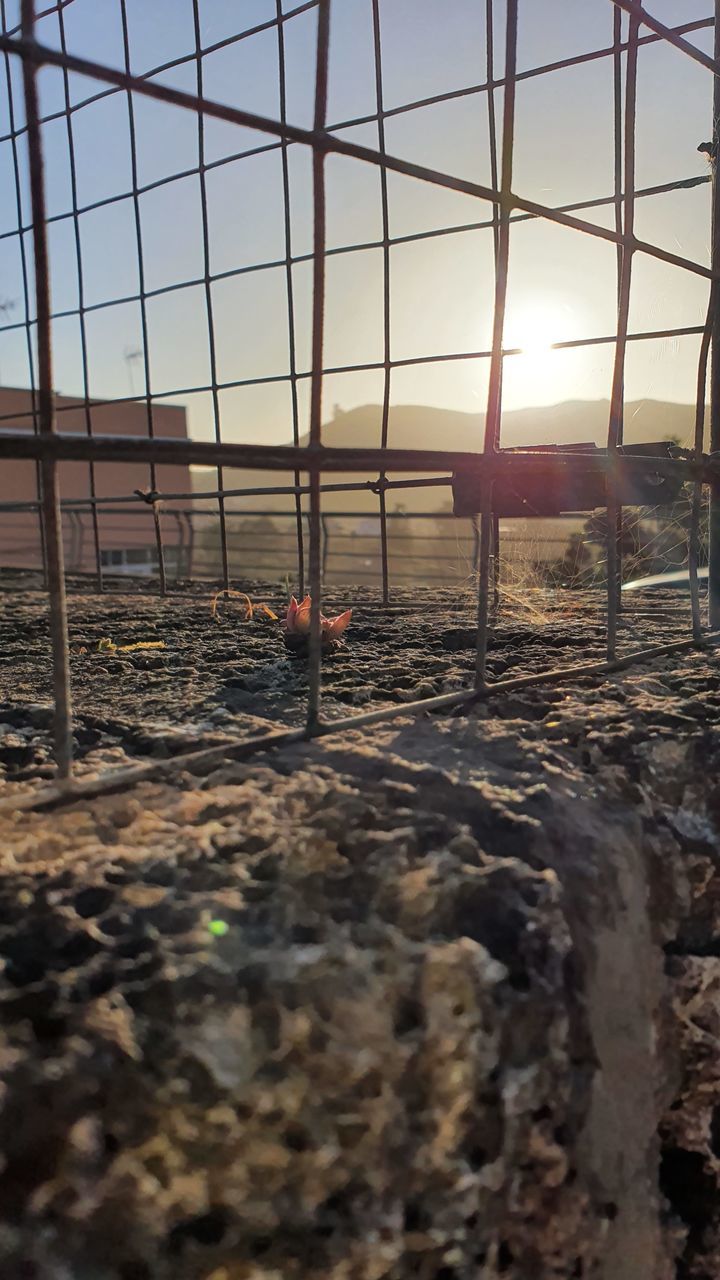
(420,1001)
(215,674)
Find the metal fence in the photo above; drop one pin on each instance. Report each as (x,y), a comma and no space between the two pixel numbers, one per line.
(422,546)
(310,463)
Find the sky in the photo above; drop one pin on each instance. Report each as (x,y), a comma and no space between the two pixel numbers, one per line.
(562,284)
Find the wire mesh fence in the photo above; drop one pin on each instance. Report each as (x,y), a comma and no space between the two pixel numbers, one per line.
(423,547)
(37,435)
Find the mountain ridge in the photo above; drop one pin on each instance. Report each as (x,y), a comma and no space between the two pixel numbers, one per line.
(567,422)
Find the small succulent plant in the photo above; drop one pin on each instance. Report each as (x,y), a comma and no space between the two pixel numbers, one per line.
(296,627)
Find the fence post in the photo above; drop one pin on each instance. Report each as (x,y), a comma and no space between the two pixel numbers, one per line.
(51,519)
(714,523)
(475,524)
(325,545)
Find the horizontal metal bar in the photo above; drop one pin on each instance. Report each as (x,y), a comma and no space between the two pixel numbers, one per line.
(209,578)
(136,500)
(80,506)
(339,554)
(365,486)
(322,458)
(120,779)
(468,699)
(321,140)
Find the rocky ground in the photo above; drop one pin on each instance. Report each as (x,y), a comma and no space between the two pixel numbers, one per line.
(436,998)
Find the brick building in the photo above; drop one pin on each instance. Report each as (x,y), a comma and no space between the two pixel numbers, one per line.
(127,534)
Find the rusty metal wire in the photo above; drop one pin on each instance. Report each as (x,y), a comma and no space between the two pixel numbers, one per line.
(313,459)
(81,289)
(493,143)
(290,288)
(494,400)
(697,491)
(618,203)
(322,61)
(714,521)
(142,298)
(617,398)
(387,365)
(212,350)
(50,496)
(25,278)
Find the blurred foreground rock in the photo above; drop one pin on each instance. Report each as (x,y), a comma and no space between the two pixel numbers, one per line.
(438,1000)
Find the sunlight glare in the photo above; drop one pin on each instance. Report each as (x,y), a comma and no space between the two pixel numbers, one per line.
(534,327)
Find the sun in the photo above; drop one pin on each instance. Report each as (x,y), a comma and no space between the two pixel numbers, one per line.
(539,372)
(534,327)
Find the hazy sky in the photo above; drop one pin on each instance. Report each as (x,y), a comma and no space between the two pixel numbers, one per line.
(562,284)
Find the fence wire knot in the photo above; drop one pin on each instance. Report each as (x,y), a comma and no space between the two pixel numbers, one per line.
(150,496)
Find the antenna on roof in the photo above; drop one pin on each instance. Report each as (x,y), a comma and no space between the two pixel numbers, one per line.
(6,306)
(131,354)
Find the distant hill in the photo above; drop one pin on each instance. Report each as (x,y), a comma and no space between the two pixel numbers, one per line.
(573,421)
(424,427)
